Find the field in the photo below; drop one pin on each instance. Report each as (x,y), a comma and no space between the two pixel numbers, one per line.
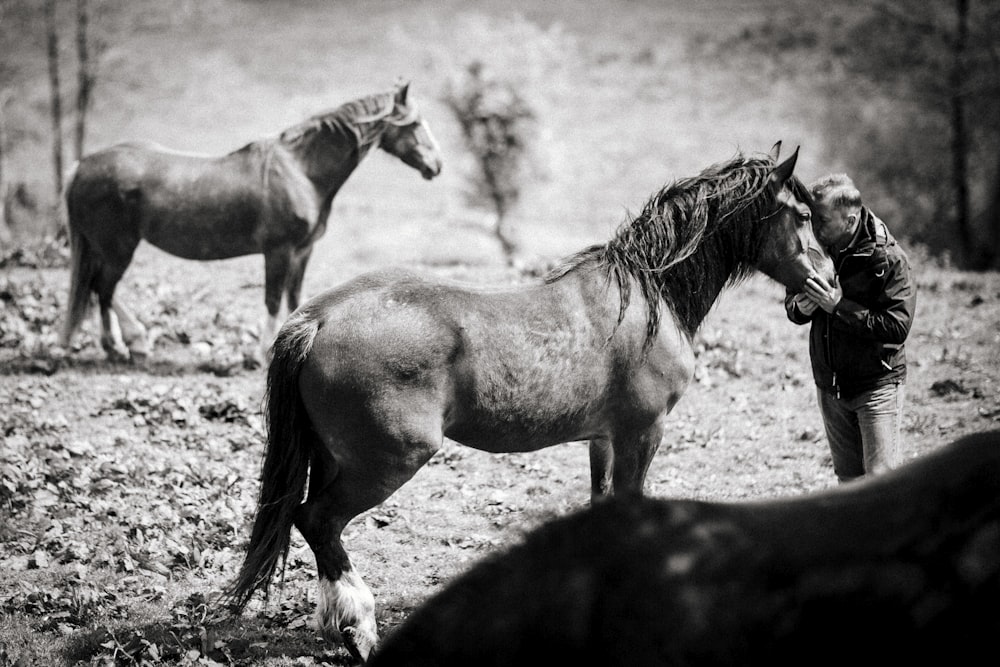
(126,491)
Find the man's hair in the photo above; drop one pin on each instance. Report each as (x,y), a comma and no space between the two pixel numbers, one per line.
(836,190)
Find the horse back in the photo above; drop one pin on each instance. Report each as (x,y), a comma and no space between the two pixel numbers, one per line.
(191,205)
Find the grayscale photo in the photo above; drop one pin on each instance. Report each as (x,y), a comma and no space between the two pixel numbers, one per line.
(428,333)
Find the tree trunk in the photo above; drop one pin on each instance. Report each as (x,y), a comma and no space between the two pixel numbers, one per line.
(959,132)
(50,16)
(503,236)
(5,234)
(85,79)
(992,253)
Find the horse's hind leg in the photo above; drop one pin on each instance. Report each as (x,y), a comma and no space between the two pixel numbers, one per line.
(112,338)
(111,335)
(359,474)
(117,237)
(132,330)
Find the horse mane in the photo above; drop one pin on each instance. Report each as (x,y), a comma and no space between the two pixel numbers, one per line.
(691,239)
(361,119)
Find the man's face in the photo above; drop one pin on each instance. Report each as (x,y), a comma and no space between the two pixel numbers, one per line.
(834,225)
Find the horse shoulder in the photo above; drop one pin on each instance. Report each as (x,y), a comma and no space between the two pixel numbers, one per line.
(289,191)
(657,372)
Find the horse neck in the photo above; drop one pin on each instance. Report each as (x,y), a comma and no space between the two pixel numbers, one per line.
(690,284)
(327,155)
(694,284)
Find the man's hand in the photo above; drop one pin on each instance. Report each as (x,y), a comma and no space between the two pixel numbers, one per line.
(804,303)
(825,295)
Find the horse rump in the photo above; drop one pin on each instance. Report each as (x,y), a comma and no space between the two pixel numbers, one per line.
(84,265)
(903,568)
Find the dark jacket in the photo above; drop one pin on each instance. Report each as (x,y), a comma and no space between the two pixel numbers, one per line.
(860,345)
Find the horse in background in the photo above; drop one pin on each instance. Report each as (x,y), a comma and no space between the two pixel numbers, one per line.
(272,196)
(368,378)
(902,568)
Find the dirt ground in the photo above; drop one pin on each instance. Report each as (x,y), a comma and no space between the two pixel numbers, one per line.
(126,492)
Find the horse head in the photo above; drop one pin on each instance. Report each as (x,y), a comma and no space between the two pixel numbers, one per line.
(792,252)
(408,137)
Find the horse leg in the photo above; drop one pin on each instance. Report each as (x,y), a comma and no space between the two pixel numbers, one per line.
(602,458)
(276,267)
(110,273)
(350,475)
(633,452)
(293,286)
(132,330)
(111,334)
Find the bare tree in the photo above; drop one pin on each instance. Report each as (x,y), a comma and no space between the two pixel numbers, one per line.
(932,69)
(497,125)
(5,234)
(56,105)
(85,76)
(957,92)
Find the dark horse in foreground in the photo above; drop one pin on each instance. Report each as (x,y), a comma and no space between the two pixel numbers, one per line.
(273,196)
(902,569)
(367,379)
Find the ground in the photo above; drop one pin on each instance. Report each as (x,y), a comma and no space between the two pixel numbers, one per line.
(126,492)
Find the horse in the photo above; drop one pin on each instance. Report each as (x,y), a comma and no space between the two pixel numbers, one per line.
(272,196)
(368,378)
(899,568)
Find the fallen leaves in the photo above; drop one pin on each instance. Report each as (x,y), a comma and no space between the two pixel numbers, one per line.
(158,499)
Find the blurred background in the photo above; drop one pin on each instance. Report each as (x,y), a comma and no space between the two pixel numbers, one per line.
(611,101)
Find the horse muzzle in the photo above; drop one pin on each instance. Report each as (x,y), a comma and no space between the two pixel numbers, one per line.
(430,169)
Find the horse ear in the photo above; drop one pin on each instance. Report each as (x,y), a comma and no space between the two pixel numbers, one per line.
(402,90)
(781,173)
(775,150)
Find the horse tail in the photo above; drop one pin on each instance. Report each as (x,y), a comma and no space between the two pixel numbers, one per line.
(286,460)
(84,266)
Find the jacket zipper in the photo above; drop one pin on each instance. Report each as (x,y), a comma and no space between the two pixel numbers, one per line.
(829,347)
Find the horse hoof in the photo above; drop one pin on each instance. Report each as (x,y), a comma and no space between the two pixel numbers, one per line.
(358,643)
(139,353)
(117,356)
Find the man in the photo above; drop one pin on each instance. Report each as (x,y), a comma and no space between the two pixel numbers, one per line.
(859,326)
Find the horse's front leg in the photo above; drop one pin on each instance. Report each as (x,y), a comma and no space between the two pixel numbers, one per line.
(633,452)
(297,270)
(276,267)
(602,459)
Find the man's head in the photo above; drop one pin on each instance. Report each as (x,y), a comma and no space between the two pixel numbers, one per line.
(837,208)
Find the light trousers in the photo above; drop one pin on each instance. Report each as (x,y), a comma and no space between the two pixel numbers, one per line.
(863,431)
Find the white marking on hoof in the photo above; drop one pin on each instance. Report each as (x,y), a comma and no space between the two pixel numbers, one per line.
(345,613)
(111,338)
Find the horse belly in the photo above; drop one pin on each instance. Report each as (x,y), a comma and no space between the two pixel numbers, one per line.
(190,206)
(525,403)
(199,225)
(202,236)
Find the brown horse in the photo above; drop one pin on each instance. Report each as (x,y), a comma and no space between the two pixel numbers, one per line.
(368,378)
(902,568)
(273,196)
